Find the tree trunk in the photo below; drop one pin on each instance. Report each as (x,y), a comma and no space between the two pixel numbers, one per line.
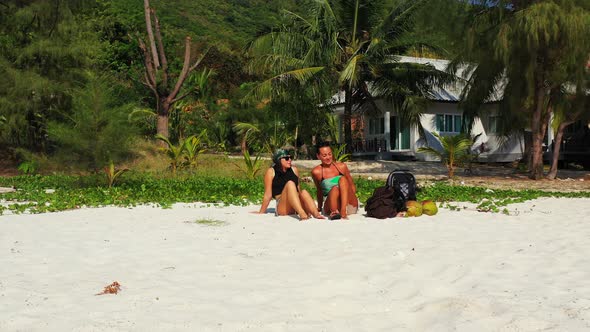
(156,78)
(162,127)
(528,146)
(451,170)
(348,119)
(536,169)
(537,128)
(556,149)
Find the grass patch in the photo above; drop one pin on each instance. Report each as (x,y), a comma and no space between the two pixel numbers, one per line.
(209,222)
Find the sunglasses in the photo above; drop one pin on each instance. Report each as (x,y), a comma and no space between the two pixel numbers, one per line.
(287,158)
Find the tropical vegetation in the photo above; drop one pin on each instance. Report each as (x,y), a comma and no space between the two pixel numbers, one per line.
(538,51)
(88,85)
(348,46)
(455,151)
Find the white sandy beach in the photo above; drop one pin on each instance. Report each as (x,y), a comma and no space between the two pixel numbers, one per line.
(456,271)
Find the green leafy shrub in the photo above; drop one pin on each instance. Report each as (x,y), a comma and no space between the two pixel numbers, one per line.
(193,147)
(28,167)
(250,167)
(112,173)
(96,131)
(339,152)
(454,150)
(185,153)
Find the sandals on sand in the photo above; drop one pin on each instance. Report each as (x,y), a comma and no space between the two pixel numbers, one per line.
(335,215)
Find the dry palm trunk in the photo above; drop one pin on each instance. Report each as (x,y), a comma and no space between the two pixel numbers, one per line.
(156,74)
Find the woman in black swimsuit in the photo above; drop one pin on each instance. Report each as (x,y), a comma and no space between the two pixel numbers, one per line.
(281,182)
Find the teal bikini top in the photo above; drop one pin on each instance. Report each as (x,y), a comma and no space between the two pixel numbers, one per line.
(327,184)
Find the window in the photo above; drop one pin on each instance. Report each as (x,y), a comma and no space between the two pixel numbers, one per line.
(376,126)
(494,126)
(448,123)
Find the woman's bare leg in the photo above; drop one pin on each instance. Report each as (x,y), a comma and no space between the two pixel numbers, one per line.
(309,204)
(333,200)
(290,201)
(344,187)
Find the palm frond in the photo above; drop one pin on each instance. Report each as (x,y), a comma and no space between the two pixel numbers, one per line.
(268,87)
(350,75)
(396,21)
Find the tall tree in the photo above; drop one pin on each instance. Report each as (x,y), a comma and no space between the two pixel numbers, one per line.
(97,131)
(157,76)
(536,47)
(44,49)
(344,45)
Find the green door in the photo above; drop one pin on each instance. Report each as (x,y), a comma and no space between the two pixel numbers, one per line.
(404,136)
(393,133)
(399,136)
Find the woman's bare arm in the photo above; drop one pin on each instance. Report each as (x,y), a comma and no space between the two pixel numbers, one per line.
(268,177)
(348,176)
(316,176)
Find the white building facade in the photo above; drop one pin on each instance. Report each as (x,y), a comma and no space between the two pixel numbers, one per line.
(382,135)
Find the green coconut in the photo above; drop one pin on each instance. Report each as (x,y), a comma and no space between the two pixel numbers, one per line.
(429,208)
(414,209)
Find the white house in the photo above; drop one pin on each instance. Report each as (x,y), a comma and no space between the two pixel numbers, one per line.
(383,136)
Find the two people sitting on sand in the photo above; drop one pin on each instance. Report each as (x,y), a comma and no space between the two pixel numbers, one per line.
(334,183)
(281,182)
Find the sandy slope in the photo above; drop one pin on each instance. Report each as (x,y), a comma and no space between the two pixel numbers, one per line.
(457,271)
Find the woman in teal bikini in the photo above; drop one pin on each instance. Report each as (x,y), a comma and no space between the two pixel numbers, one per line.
(333,181)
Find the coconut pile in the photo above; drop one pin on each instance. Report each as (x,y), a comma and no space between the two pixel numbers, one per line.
(416,209)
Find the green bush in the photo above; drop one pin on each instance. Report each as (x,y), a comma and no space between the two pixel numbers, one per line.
(97,131)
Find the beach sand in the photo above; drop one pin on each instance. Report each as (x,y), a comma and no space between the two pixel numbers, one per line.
(238,271)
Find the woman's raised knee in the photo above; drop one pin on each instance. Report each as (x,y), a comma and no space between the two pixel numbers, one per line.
(335,191)
(342,182)
(290,184)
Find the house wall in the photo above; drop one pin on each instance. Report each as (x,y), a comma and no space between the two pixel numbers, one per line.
(497,147)
(491,146)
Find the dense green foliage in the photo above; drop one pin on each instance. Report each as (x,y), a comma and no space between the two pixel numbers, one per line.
(72,192)
(97,131)
(342,45)
(535,49)
(50,50)
(44,50)
(48,47)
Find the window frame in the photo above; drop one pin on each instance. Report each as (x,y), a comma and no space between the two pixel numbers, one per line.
(376,126)
(449,123)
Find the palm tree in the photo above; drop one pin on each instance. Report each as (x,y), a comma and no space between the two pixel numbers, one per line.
(344,44)
(454,150)
(536,47)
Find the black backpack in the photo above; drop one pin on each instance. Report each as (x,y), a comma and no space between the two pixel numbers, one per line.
(404,183)
(382,203)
